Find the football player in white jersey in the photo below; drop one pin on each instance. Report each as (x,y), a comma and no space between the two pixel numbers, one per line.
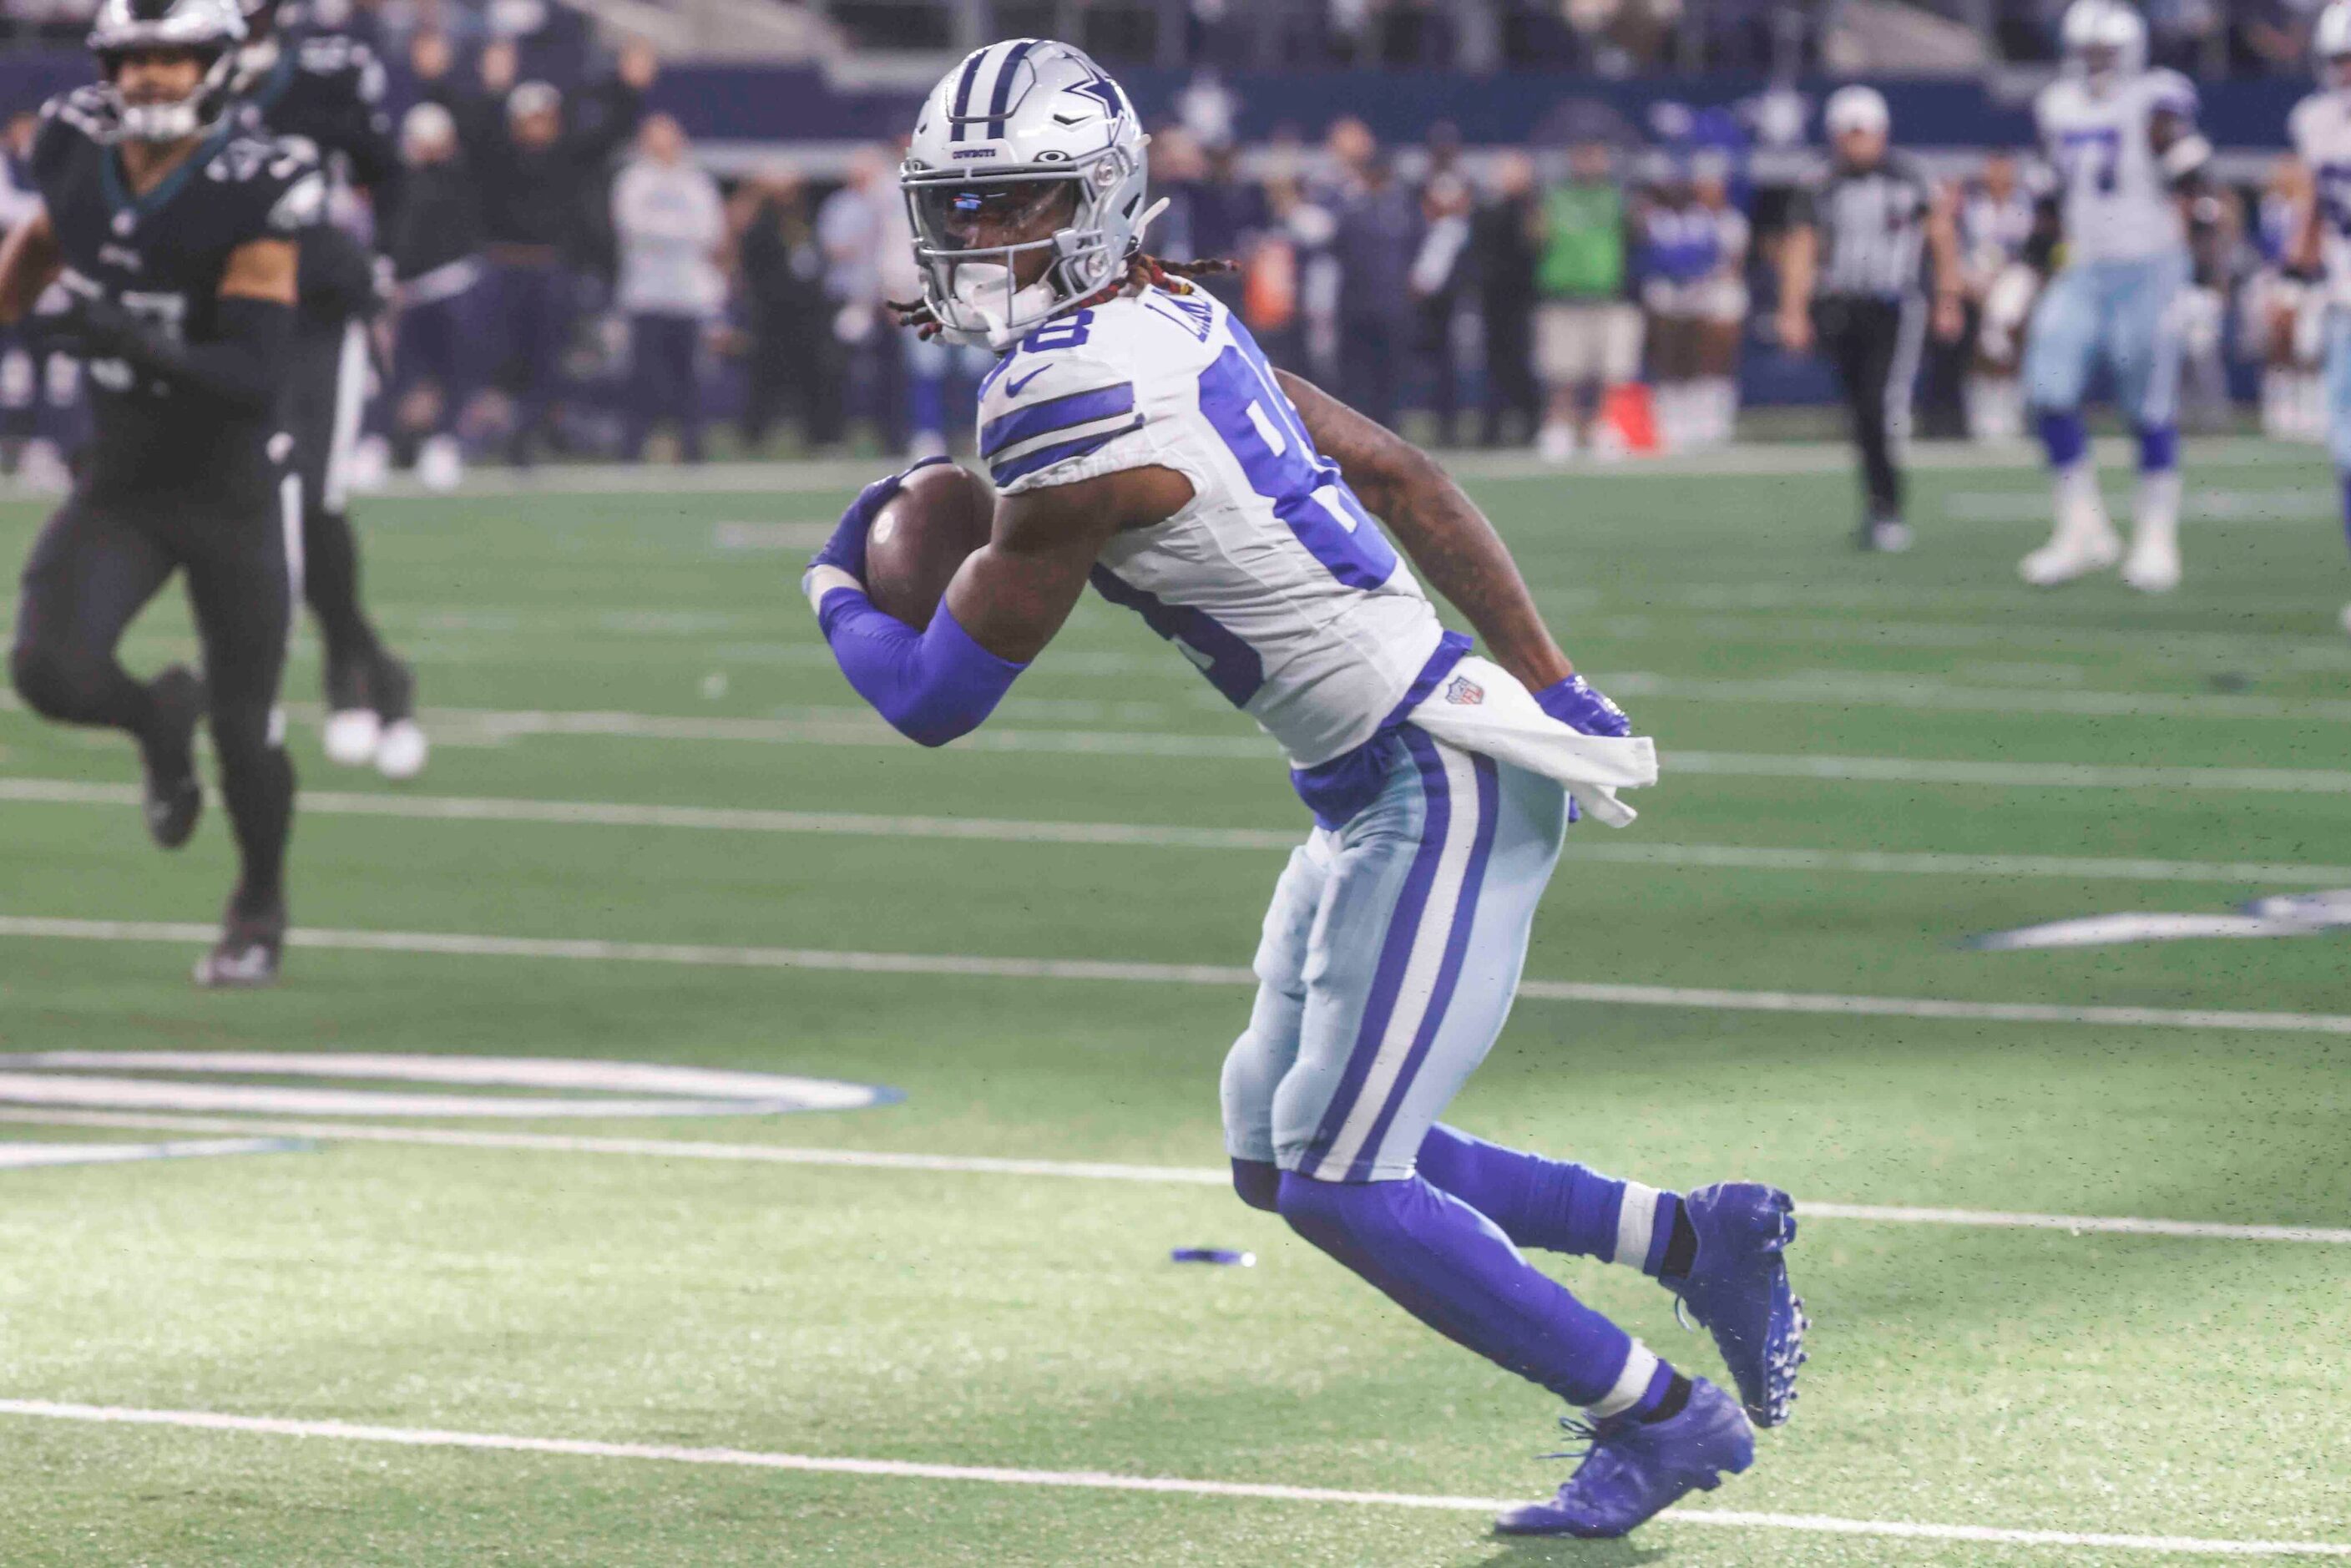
(2321,129)
(2124,142)
(1139,440)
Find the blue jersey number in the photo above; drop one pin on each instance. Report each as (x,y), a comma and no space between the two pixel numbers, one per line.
(1238,396)
(1231,665)
(1063,332)
(2095,156)
(2334,194)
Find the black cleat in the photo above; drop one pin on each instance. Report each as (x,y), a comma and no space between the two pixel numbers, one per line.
(174,800)
(245,957)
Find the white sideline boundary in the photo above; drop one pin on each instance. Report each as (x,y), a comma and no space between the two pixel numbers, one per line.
(851,961)
(1080,1170)
(1590,848)
(1104,1480)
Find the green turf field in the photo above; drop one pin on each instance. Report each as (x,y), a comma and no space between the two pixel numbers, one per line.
(643,744)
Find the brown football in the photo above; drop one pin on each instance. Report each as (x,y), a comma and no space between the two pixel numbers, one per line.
(942,514)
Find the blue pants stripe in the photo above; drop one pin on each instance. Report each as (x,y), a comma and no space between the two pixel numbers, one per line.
(1457,944)
(1388,963)
(1395,954)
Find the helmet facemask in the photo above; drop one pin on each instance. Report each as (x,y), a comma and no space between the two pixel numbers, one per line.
(172,120)
(1001,254)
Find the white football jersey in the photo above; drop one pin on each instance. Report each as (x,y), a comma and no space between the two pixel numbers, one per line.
(2320,129)
(1273,580)
(2118,206)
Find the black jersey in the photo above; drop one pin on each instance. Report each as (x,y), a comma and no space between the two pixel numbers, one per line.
(161,256)
(325,93)
(328,90)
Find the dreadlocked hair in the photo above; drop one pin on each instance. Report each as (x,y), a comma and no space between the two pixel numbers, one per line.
(1144,272)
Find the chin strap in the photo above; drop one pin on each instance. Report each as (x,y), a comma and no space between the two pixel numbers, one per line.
(1143,271)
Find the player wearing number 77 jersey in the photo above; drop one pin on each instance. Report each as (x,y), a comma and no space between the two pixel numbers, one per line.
(1139,442)
(2321,129)
(2124,142)
(170,237)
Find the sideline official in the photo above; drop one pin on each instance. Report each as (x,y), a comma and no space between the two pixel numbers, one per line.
(1850,273)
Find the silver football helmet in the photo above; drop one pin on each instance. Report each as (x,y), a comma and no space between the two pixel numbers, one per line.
(1027,159)
(2104,40)
(209,29)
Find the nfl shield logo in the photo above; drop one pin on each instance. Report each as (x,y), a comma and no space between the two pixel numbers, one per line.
(1465,692)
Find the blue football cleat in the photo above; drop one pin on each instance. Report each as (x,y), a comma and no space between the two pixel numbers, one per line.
(1635,1469)
(1738,1291)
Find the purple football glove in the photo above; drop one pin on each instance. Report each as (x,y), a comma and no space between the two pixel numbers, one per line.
(846,547)
(1575,703)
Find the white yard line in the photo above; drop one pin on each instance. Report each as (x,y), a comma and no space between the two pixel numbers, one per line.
(1844,689)
(1104,1480)
(2078,1224)
(2155,646)
(1588,848)
(649,1148)
(1629,617)
(1753,460)
(847,961)
(2008,774)
(1072,1170)
(2199,504)
(846,727)
(612,814)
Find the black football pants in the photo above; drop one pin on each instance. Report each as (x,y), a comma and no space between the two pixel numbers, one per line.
(94,568)
(327,394)
(1864,339)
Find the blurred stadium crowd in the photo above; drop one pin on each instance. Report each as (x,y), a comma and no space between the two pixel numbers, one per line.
(568,278)
(1609,36)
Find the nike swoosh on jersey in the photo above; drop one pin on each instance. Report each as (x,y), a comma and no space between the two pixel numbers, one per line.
(1012,384)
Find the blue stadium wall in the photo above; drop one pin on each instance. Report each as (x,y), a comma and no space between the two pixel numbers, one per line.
(796,104)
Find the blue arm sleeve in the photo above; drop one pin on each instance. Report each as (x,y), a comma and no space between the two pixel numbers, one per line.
(931,685)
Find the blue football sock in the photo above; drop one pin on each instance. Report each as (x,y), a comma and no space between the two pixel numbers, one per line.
(1450,1267)
(1555,1204)
(2064,438)
(1655,1394)
(2158,448)
(1258,1182)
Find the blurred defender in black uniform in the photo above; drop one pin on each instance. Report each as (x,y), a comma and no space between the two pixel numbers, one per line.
(170,239)
(326,92)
